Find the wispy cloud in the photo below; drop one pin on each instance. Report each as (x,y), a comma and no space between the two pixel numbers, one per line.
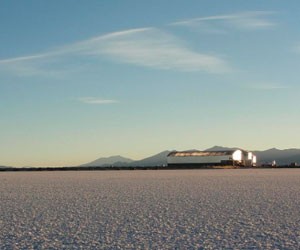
(46,64)
(148,47)
(94,100)
(153,48)
(24,58)
(251,20)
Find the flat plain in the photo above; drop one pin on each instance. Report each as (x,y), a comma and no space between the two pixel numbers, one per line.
(162,209)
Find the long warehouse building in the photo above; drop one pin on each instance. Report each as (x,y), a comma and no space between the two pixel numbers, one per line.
(237,157)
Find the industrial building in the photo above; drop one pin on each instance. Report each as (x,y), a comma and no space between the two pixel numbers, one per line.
(236,157)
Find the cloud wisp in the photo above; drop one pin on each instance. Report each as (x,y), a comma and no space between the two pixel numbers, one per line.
(45,64)
(152,48)
(94,100)
(251,20)
(147,47)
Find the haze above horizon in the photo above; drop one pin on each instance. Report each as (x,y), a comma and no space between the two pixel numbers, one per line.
(87,79)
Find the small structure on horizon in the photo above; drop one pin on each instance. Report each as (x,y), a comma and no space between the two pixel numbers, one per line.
(236,157)
(272,164)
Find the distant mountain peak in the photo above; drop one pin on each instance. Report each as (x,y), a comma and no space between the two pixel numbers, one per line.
(273,149)
(111,160)
(285,156)
(219,148)
(154,160)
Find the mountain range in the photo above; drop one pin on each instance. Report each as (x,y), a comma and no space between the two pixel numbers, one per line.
(282,157)
(116,160)
(120,161)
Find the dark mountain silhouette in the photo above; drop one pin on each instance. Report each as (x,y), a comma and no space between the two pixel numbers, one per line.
(116,160)
(4,167)
(119,161)
(219,148)
(282,157)
(159,159)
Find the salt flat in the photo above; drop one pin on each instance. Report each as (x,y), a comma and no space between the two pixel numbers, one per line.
(174,209)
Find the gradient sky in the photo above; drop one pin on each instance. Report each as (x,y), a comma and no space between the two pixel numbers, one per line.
(86,79)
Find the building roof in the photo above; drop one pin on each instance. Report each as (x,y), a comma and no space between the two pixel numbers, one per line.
(200,153)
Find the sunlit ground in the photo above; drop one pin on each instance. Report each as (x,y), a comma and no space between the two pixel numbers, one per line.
(183,209)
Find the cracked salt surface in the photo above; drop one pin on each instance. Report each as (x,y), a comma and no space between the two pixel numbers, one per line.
(180,209)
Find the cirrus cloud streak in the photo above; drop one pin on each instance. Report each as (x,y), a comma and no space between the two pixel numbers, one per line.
(250,20)
(94,100)
(146,47)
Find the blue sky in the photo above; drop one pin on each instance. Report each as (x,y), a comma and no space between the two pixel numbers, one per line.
(85,79)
